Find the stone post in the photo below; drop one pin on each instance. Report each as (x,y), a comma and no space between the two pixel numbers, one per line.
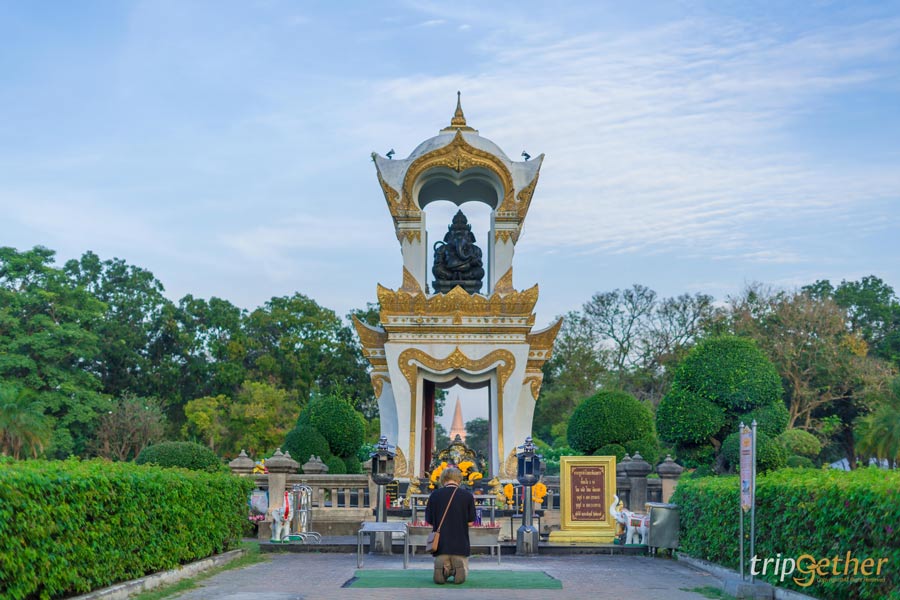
(279,466)
(669,471)
(637,470)
(242,465)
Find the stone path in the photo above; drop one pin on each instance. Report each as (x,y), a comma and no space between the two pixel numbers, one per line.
(584,577)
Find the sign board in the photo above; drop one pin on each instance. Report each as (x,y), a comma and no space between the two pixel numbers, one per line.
(587,487)
(747,483)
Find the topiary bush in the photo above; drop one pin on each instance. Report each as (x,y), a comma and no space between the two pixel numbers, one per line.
(800,462)
(800,443)
(617,450)
(336,465)
(188,455)
(608,417)
(647,447)
(339,423)
(770,455)
(352,465)
(731,372)
(772,419)
(69,527)
(820,513)
(687,420)
(303,442)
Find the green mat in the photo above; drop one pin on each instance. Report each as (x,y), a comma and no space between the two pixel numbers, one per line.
(489,580)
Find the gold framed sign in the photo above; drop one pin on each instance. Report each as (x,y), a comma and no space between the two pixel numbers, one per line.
(587,486)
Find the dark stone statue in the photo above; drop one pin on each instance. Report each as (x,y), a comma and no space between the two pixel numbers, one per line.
(457,260)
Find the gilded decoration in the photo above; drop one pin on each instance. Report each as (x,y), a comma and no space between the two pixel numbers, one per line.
(401,468)
(370,337)
(535,382)
(457,302)
(524,197)
(504,285)
(459,156)
(409,235)
(410,285)
(509,469)
(456,360)
(504,235)
(543,340)
(378,382)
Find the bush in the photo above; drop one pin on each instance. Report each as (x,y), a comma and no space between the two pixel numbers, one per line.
(800,462)
(687,420)
(799,442)
(823,513)
(188,455)
(616,450)
(730,372)
(770,455)
(303,442)
(771,420)
(336,466)
(352,465)
(339,423)
(69,527)
(697,457)
(608,417)
(647,447)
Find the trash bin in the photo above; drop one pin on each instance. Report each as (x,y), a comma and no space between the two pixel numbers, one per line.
(664,524)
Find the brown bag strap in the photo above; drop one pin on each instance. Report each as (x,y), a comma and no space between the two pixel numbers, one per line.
(446,509)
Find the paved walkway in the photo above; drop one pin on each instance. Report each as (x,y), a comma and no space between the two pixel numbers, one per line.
(584,577)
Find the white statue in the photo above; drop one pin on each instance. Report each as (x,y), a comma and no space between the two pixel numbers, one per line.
(636,525)
(281,519)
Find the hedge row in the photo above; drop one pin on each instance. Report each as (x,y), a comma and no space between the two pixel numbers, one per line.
(69,527)
(821,513)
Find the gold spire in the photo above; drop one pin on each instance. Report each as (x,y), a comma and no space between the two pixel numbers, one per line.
(458,122)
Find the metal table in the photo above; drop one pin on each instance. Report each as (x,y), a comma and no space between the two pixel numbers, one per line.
(373,528)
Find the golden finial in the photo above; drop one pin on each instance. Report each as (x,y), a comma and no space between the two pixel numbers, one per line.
(458,122)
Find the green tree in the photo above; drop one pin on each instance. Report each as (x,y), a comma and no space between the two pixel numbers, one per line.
(609,417)
(48,343)
(260,417)
(342,426)
(207,419)
(130,425)
(478,436)
(878,433)
(23,426)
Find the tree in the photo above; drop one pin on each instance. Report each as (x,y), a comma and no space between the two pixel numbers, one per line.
(131,424)
(878,433)
(260,417)
(609,417)
(207,420)
(342,426)
(478,436)
(48,344)
(721,381)
(23,426)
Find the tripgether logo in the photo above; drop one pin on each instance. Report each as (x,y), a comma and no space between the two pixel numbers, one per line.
(808,567)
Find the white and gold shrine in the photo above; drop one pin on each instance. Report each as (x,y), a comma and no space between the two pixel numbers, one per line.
(428,340)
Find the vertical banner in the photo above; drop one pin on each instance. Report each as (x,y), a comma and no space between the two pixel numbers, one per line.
(747,483)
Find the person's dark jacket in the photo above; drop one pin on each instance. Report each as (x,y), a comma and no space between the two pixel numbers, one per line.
(455,530)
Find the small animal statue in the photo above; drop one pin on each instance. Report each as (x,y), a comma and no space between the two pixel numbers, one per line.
(636,525)
(281,519)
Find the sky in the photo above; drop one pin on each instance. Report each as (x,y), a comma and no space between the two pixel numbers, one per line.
(225,146)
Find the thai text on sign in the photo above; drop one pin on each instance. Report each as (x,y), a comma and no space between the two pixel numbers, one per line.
(588,493)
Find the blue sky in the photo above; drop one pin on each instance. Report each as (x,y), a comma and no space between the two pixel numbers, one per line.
(225,146)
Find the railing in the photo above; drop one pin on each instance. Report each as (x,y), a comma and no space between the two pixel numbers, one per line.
(331,491)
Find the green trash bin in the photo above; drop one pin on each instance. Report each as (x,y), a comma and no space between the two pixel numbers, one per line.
(664,525)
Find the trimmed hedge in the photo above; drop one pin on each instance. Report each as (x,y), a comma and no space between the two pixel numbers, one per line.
(69,527)
(187,455)
(684,419)
(822,513)
(770,455)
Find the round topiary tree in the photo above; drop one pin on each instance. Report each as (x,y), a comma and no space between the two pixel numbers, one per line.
(303,441)
(187,455)
(353,465)
(336,466)
(647,447)
(770,455)
(800,462)
(771,419)
(730,372)
(687,420)
(608,417)
(617,450)
(800,443)
(339,423)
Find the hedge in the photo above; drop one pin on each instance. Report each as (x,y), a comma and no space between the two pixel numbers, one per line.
(187,455)
(69,527)
(822,513)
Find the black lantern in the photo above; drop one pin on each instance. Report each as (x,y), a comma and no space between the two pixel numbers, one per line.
(529,464)
(383,462)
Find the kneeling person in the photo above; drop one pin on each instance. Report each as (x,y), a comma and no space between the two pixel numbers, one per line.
(452,557)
